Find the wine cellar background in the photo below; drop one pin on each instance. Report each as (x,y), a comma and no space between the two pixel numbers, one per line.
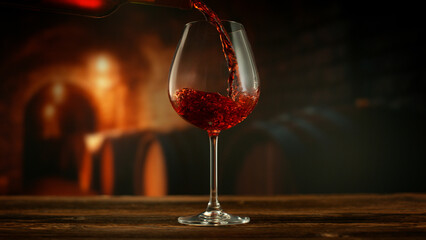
(342,106)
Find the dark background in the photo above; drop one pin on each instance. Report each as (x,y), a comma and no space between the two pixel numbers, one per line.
(342,106)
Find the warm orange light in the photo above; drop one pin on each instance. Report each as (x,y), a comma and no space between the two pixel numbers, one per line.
(94,141)
(103,70)
(50,127)
(102,64)
(49,111)
(103,82)
(58,92)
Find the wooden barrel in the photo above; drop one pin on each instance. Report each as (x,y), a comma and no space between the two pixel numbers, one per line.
(253,160)
(115,166)
(330,150)
(173,163)
(83,161)
(313,150)
(152,163)
(73,157)
(281,155)
(89,164)
(148,163)
(150,158)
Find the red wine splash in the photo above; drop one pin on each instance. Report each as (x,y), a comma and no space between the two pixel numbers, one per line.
(228,50)
(212,111)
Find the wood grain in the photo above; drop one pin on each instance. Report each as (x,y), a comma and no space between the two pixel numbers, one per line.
(396,216)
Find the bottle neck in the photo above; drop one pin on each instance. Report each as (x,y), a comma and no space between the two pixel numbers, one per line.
(181,4)
(97,9)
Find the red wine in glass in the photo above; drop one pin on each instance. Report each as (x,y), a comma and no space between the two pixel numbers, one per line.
(212,111)
(213,92)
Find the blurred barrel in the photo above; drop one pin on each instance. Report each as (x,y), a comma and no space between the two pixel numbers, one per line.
(73,157)
(82,161)
(116,164)
(150,158)
(151,163)
(180,156)
(254,160)
(281,155)
(329,150)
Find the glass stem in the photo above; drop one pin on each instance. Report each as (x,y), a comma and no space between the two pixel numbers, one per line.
(214,204)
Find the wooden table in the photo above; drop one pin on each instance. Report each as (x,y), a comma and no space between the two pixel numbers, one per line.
(396,216)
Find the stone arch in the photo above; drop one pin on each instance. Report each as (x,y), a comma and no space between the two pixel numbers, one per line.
(55,119)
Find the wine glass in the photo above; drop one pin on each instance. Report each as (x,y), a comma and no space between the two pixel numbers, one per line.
(212,95)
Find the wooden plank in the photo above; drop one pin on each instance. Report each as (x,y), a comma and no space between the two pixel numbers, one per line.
(308,217)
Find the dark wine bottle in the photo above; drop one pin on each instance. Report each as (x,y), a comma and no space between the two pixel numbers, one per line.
(90,8)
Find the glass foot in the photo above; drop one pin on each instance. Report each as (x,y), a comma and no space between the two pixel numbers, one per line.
(213,218)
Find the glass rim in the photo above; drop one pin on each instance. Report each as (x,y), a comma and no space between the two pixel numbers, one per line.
(222,21)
